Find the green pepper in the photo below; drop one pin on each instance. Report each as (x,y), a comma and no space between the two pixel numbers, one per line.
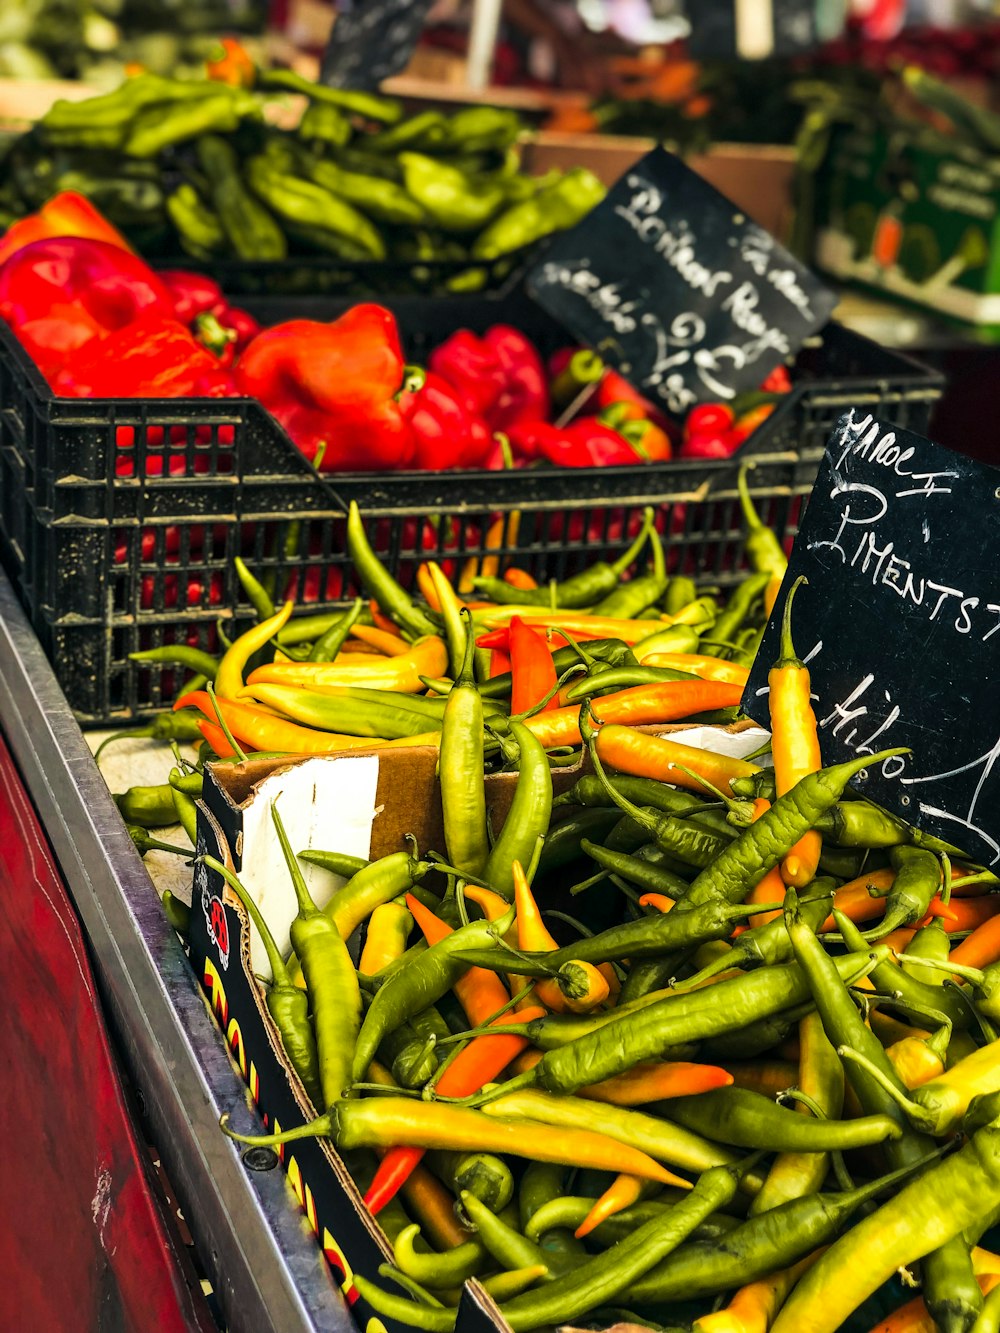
(309,205)
(446,195)
(381,199)
(555,208)
(324,123)
(154,129)
(198,229)
(428,129)
(249,227)
(479,129)
(383,109)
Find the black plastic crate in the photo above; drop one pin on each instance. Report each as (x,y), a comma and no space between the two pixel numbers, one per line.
(119,520)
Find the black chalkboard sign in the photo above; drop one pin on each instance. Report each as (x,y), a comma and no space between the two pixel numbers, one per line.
(677,290)
(372,40)
(900,625)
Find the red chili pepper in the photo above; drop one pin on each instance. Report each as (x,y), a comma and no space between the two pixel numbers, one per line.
(471,368)
(58,295)
(533,673)
(499,662)
(586,442)
(446,433)
(153,357)
(524,395)
(615,388)
(335,384)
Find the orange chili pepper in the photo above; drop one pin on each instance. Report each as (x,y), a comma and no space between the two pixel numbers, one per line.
(794,741)
(216,738)
(753,1308)
(667,702)
(389,645)
(963,914)
(480,992)
(623,1191)
(520,578)
(578,622)
(656,1082)
(980,948)
(533,937)
(380,619)
(646,756)
(855,900)
(708,668)
(262,730)
(914,1317)
(499,662)
(658,900)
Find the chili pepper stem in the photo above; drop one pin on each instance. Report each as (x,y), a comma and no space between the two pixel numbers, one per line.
(237,750)
(913,1109)
(321,1127)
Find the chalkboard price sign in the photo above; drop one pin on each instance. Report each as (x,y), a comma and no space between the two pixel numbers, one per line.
(677,289)
(900,626)
(371,41)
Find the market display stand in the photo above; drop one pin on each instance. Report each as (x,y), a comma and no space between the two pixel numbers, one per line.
(250,1238)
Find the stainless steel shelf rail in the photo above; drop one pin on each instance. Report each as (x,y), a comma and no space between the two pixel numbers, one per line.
(252,1240)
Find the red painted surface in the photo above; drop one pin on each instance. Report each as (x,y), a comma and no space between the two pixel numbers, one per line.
(83,1245)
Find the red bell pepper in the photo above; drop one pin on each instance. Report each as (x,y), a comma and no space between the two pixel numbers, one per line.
(65,214)
(58,295)
(500,376)
(152,357)
(200,303)
(334,384)
(447,434)
(471,368)
(585,442)
(525,393)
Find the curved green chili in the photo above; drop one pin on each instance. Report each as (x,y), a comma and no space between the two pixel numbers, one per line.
(287,1004)
(528,816)
(330,642)
(379,583)
(463,791)
(431,1269)
(746,1119)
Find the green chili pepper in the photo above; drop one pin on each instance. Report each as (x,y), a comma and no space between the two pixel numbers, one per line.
(156,128)
(747,1119)
(379,583)
(463,792)
(428,129)
(437,1270)
(477,129)
(528,816)
(253,234)
(331,981)
(640,1035)
(858,824)
(253,589)
(681,591)
(761,1245)
(605,1276)
(410,1056)
(508,1247)
(350,712)
(179,654)
(564,842)
(756,1038)
(424,981)
(918,878)
(180,726)
(634,597)
(324,124)
(909,995)
(184,806)
(368,886)
(178,914)
(149,807)
(330,642)
(287,1004)
(762,544)
(647,875)
(381,199)
(579,590)
(555,208)
(737,609)
(432,1319)
(301,202)
(383,109)
(445,194)
(307,629)
(769,943)
(198,229)
(845,1028)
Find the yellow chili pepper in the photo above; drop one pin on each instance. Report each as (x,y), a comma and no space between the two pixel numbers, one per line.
(229,677)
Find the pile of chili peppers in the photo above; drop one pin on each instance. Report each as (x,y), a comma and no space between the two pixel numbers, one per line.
(765,1080)
(99,323)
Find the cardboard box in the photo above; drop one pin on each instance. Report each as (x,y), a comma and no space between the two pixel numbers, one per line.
(368,802)
(913,215)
